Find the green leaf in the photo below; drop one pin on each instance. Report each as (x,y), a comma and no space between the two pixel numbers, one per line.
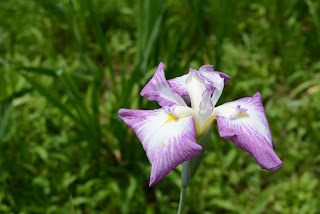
(37,70)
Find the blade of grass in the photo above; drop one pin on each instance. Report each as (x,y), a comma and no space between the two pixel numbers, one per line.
(4,120)
(95,101)
(142,67)
(315,17)
(201,29)
(52,73)
(37,70)
(83,112)
(7,107)
(16,95)
(100,39)
(70,85)
(173,57)
(151,40)
(52,99)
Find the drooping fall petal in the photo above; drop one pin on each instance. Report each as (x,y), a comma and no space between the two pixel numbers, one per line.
(249,129)
(167,141)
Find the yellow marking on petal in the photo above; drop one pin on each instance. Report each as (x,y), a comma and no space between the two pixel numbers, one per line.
(170,119)
(163,144)
(242,115)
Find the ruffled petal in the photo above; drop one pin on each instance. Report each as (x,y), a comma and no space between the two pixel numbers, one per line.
(167,141)
(214,80)
(209,69)
(158,89)
(245,123)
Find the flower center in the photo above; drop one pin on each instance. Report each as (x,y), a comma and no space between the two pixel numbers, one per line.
(201,105)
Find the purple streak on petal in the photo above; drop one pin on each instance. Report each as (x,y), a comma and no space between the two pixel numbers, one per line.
(158,89)
(167,142)
(251,133)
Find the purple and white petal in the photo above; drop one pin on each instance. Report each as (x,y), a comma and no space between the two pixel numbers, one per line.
(245,123)
(166,140)
(158,89)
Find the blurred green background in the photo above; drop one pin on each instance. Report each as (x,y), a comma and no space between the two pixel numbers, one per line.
(67,66)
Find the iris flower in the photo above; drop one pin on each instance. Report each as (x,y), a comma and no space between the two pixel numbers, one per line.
(169,135)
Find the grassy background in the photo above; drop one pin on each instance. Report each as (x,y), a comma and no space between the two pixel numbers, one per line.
(67,66)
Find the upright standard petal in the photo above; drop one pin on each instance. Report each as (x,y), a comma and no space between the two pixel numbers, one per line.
(209,69)
(167,141)
(214,80)
(245,123)
(158,89)
(195,86)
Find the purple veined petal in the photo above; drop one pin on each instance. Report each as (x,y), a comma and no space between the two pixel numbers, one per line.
(166,140)
(249,130)
(158,89)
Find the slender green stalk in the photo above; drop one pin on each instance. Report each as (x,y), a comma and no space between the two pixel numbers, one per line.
(190,167)
(185,181)
(183,195)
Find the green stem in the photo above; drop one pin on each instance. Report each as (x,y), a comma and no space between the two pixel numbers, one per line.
(183,195)
(185,181)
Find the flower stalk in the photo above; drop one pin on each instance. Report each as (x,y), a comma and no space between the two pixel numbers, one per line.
(185,181)
(190,167)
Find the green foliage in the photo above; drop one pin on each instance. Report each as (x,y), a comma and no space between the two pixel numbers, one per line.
(67,67)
